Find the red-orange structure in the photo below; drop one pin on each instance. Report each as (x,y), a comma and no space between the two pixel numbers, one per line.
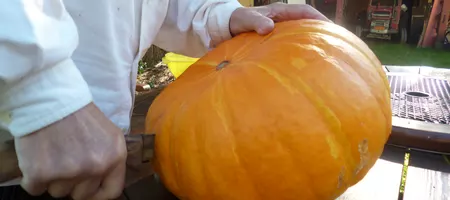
(436,23)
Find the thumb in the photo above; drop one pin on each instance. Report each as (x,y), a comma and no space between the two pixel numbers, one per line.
(247,19)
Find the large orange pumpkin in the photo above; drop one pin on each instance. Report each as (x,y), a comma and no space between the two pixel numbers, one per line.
(301,113)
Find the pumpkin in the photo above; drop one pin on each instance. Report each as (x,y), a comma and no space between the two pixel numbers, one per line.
(301,113)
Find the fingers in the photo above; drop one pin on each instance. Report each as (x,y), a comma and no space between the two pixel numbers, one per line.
(112,184)
(77,156)
(86,189)
(62,188)
(108,187)
(284,12)
(258,22)
(33,186)
(245,20)
(261,19)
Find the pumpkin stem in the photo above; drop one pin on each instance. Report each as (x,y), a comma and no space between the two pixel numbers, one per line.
(222,65)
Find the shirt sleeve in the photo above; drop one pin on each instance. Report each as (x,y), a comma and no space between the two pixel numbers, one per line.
(192,27)
(39,83)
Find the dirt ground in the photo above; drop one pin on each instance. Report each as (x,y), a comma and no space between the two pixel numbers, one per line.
(155,76)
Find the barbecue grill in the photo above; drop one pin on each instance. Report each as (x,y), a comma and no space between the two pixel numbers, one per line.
(420,103)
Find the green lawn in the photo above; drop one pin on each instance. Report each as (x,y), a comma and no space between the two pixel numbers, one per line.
(397,54)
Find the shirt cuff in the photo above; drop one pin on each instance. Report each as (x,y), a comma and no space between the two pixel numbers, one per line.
(219,21)
(43,98)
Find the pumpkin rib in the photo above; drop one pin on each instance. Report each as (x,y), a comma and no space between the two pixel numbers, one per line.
(172,147)
(234,148)
(167,170)
(298,161)
(316,101)
(172,118)
(295,160)
(379,103)
(196,155)
(319,104)
(342,53)
(254,181)
(310,178)
(343,62)
(361,161)
(362,51)
(329,116)
(350,45)
(358,73)
(307,174)
(312,24)
(362,80)
(243,51)
(208,89)
(200,154)
(192,101)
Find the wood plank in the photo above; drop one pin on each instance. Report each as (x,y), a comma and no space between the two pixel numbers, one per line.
(148,188)
(428,177)
(382,181)
(141,105)
(17,193)
(420,135)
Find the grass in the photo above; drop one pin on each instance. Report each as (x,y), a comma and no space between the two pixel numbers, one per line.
(406,55)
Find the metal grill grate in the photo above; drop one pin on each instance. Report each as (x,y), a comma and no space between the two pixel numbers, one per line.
(420,98)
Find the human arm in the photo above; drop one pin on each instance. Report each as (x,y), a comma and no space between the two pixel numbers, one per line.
(39,83)
(192,27)
(64,143)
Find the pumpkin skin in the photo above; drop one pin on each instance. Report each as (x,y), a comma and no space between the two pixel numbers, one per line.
(301,113)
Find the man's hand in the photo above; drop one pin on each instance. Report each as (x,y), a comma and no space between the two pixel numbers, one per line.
(261,19)
(82,155)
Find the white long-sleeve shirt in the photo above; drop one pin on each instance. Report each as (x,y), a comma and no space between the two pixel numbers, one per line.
(57,56)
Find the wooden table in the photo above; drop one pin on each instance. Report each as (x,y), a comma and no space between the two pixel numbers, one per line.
(427,178)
